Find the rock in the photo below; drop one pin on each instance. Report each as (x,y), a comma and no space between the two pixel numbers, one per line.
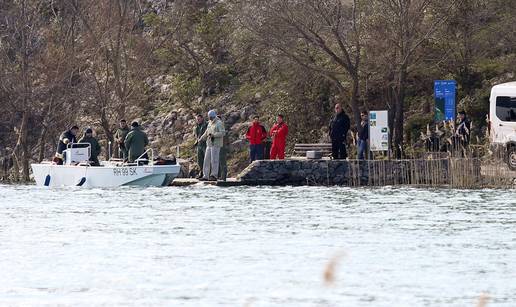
(238,145)
(232,118)
(247,112)
(178,125)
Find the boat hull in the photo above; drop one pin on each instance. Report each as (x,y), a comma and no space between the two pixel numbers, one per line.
(104,176)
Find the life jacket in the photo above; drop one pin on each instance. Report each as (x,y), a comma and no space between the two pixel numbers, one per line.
(280,131)
(256,134)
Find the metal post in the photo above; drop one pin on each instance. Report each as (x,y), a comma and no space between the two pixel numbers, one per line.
(109,150)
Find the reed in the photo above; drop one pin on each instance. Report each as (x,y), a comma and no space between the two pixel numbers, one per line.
(453,172)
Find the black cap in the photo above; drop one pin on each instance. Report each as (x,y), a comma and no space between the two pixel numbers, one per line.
(74,127)
(88,130)
(135,124)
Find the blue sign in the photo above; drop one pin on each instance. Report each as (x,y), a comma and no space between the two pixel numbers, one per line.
(445,92)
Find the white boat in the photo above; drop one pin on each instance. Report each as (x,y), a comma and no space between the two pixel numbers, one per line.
(77,171)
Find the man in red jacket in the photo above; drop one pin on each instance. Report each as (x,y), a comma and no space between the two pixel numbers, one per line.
(256,134)
(279,134)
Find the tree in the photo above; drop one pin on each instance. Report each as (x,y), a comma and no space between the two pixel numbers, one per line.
(21,44)
(193,46)
(401,28)
(324,36)
(113,54)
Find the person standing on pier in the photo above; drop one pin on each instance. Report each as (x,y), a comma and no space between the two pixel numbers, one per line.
(120,135)
(363,135)
(339,127)
(200,146)
(279,134)
(214,137)
(256,134)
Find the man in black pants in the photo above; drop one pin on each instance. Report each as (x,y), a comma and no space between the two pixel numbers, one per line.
(339,127)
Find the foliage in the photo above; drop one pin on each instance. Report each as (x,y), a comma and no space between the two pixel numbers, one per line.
(94,62)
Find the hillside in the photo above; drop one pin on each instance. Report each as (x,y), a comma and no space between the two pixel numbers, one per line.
(92,63)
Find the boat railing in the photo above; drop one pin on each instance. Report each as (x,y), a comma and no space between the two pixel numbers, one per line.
(149,153)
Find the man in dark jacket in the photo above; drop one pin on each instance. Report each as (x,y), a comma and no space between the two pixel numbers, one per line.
(67,137)
(339,127)
(135,142)
(200,146)
(120,135)
(363,135)
(256,135)
(94,146)
(463,132)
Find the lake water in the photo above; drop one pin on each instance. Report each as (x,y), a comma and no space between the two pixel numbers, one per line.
(256,246)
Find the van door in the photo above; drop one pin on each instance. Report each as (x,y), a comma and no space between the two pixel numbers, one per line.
(504,121)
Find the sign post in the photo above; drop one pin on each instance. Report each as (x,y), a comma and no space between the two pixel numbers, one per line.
(379,131)
(445,92)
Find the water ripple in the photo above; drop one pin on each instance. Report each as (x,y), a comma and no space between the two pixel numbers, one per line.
(260,246)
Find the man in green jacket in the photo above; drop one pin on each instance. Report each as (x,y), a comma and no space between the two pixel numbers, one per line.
(135,142)
(120,135)
(214,137)
(199,130)
(94,146)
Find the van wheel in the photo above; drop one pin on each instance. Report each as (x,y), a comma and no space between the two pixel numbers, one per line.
(511,158)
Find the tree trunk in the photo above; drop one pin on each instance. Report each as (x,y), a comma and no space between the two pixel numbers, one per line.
(25,154)
(399,116)
(42,143)
(354,100)
(390,93)
(16,167)
(104,122)
(20,151)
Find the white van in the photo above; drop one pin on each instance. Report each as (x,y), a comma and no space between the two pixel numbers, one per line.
(502,115)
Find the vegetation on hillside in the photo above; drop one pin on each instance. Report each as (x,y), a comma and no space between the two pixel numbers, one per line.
(93,62)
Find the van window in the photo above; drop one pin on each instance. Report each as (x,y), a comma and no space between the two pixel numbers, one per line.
(506,108)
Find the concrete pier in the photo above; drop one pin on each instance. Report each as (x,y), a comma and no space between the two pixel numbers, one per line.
(346,172)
